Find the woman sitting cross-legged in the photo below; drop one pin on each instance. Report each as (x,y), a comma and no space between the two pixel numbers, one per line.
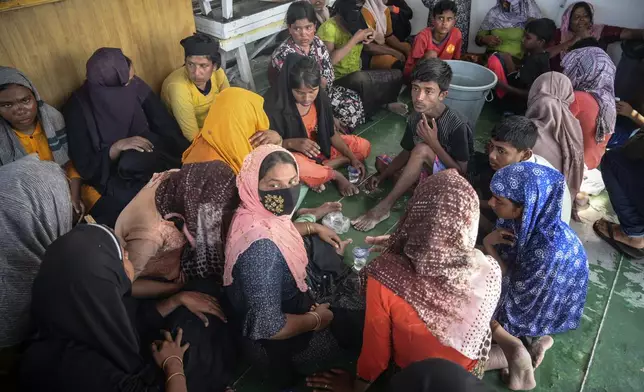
(300,111)
(28,125)
(175,228)
(119,133)
(92,336)
(348,111)
(560,140)
(544,265)
(592,74)
(502,29)
(275,279)
(430,294)
(345,36)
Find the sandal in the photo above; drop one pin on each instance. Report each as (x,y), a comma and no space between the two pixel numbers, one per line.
(627,250)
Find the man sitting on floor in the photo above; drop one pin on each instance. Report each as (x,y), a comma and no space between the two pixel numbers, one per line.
(512,142)
(436,138)
(190,90)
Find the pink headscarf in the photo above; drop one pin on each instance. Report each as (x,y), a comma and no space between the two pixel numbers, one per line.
(566,34)
(252,222)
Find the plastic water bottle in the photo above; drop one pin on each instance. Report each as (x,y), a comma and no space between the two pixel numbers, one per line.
(360,256)
(354,174)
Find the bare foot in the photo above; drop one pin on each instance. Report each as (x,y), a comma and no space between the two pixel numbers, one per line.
(344,186)
(318,189)
(538,349)
(520,375)
(369,220)
(398,108)
(343,246)
(321,211)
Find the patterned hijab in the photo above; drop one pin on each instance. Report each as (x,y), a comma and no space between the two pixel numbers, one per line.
(432,264)
(592,70)
(549,108)
(516,16)
(566,34)
(546,254)
(51,121)
(252,222)
(205,197)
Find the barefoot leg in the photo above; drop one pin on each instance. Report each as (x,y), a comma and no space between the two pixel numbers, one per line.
(418,157)
(497,359)
(538,349)
(345,187)
(520,375)
(321,211)
(338,162)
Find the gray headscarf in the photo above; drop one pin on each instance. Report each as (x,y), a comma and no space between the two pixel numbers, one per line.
(51,120)
(36,209)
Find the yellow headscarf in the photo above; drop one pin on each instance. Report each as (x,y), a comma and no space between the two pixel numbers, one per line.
(233,118)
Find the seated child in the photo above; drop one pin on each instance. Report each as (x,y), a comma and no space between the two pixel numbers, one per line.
(512,142)
(443,40)
(514,82)
(436,138)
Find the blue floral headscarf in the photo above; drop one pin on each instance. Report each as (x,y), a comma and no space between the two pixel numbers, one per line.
(545,289)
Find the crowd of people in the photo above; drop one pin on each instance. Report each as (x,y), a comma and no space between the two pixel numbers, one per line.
(152,241)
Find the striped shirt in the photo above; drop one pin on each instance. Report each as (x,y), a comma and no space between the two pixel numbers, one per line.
(454,134)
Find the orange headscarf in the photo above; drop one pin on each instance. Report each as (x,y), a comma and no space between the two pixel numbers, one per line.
(233,118)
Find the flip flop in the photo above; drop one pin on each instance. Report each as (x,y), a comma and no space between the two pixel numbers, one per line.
(627,250)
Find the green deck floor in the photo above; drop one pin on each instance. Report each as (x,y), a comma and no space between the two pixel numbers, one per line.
(614,316)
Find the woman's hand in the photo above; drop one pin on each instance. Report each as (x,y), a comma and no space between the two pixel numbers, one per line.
(373,183)
(169,347)
(201,304)
(363,36)
(327,235)
(306,146)
(77,201)
(326,315)
(624,109)
(333,380)
(377,243)
(265,137)
(499,237)
(491,41)
(360,166)
(137,143)
(339,127)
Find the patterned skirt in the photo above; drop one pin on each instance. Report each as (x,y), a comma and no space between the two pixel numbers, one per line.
(347,107)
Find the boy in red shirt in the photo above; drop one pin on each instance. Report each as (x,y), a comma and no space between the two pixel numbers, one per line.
(443,40)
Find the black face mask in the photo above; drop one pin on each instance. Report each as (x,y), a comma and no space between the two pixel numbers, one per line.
(280,201)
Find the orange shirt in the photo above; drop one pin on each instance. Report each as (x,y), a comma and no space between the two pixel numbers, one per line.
(37,143)
(310,121)
(586,109)
(391,324)
(449,49)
